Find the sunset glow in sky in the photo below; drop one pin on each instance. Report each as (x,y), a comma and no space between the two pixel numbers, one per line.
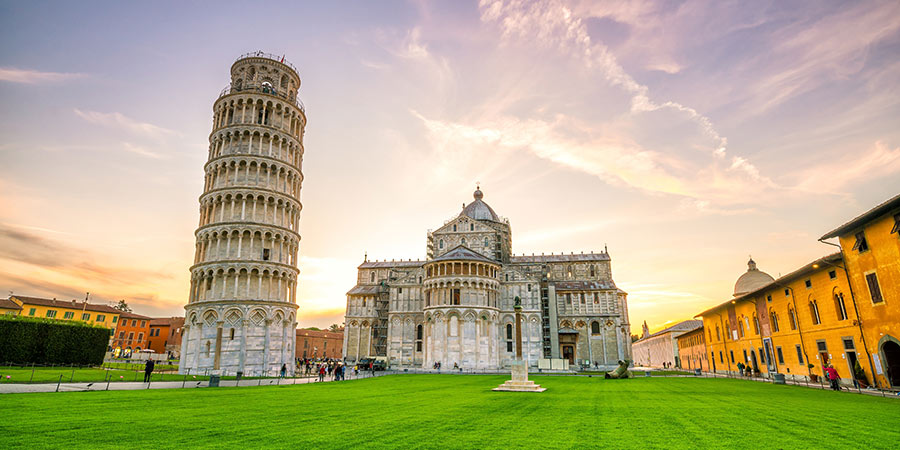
(684,135)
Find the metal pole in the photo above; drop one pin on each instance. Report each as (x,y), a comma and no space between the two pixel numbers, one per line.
(58,382)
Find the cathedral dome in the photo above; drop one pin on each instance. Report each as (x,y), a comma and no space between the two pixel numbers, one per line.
(751,280)
(479,210)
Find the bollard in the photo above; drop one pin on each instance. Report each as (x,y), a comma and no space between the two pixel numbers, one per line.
(58,382)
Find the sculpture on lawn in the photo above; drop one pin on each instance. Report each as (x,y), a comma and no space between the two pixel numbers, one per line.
(621,372)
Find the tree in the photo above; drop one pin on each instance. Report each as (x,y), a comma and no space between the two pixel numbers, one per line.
(122,306)
(334,327)
(634,338)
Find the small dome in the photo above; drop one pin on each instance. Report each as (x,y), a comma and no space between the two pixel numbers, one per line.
(479,210)
(751,280)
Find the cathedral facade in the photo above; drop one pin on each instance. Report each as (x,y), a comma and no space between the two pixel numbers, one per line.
(455,307)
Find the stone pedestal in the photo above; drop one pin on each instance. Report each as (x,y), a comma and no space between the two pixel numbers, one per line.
(519,381)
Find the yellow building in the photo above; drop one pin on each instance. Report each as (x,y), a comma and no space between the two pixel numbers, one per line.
(785,325)
(103,315)
(9,307)
(870,245)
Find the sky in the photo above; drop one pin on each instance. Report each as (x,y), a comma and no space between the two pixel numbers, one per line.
(685,136)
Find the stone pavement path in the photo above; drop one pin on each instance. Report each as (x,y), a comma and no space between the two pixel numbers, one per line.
(132,386)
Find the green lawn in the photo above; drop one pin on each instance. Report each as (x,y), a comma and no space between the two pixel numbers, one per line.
(457,411)
(52,375)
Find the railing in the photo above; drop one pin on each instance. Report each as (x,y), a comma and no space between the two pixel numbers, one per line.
(263,89)
(261,54)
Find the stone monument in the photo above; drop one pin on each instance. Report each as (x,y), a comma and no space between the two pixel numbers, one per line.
(519,381)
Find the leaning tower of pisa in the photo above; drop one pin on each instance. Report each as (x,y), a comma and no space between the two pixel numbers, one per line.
(241,312)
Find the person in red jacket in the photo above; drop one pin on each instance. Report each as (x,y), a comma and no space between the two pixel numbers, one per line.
(833,377)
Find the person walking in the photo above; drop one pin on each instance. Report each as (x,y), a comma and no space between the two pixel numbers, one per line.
(833,377)
(740,367)
(283,370)
(322,372)
(148,370)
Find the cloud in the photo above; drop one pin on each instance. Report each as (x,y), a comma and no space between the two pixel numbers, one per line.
(614,153)
(52,255)
(120,121)
(138,150)
(835,175)
(25,76)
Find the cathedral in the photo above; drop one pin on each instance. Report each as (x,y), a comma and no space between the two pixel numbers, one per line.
(455,307)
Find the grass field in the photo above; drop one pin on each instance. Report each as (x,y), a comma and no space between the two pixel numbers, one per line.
(453,411)
(52,375)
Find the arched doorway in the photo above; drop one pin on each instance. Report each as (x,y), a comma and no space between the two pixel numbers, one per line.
(891,351)
(753,363)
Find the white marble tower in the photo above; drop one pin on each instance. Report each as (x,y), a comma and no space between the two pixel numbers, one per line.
(241,312)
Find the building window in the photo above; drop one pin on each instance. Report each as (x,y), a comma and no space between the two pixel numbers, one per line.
(85,317)
(896,228)
(814,312)
(721,359)
(509,346)
(471,227)
(529,287)
(762,356)
(582,298)
(232,335)
(399,290)
(122,335)
(769,298)
(596,298)
(32,311)
(808,283)
(799,354)
(134,322)
(372,277)
(131,336)
(143,323)
(454,227)
(848,344)
(718,333)
(441,243)
(140,336)
(780,355)
(755,324)
(874,289)
(731,353)
(832,274)
(839,306)
(463,240)
(51,313)
(861,245)
(774,317)
(595,327)
(428,298)
(786,292)
(68,315)
(265,255)
(568,299)
(593,271)
(456,296)
(487,243)
(792,318)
